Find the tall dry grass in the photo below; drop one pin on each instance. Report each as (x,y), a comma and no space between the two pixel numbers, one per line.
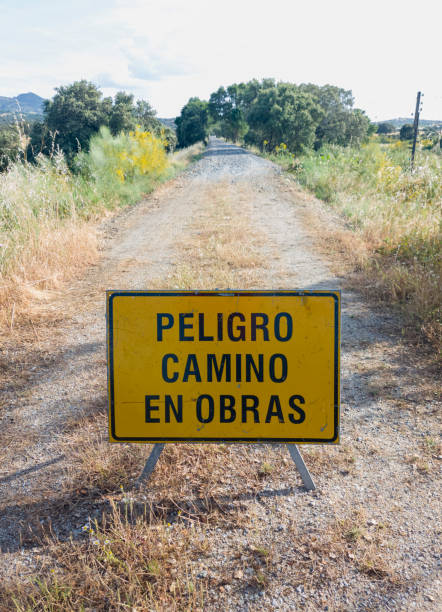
(395,216)
(48,215)
(45,234)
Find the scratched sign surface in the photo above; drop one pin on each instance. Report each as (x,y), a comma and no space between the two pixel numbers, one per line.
(249,366)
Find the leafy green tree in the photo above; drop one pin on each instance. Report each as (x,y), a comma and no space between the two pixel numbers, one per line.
(122,114)
(9,145)
(225,109)
(385,128)
(145,116)
(406,132)
(192,124)
(372,127)
(228,107)
(234,126)
(75,113)
(341,124)
(284,114)
(41,140)
(217,105)
(258,110)
(357,126)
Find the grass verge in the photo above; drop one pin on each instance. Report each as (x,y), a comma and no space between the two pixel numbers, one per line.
(48,226)
(393,222)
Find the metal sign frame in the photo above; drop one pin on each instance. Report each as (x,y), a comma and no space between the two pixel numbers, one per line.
(293,450)
(159,442)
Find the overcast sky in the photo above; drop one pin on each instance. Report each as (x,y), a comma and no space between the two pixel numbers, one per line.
(166,51)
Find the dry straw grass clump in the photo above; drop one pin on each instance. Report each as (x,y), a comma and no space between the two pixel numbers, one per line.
(216,255)
(45,239)
(126,562)
(139,556)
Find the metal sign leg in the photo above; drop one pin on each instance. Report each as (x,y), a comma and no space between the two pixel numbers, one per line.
(293,450)
(150,464)
(302,468)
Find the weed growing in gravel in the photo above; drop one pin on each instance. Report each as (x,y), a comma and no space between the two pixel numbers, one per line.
(126,561)
(219,256)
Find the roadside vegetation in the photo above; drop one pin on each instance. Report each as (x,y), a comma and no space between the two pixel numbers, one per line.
(52,195)
(394,215)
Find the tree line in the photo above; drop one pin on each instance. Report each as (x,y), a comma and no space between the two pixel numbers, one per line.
(73,116)
(267,113)
(77,111)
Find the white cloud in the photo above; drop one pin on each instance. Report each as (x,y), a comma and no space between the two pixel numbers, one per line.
(150,64)
(170,50)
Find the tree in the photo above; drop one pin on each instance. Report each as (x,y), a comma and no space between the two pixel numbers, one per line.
(75,113)
(41,140)
(226,113)
(284,114)
(192,123)
(229,107)
(385,128)
(371,129)
(406,132)
(357,126)
(234,126)
(341,124)
(247,93)
(122,113)
(9,145)
(145,116)
(217,105)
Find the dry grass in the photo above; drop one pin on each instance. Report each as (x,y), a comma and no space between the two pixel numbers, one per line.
(352,543)
(415,288)
(182,157)
(126,562)
(138,557)
(48,234)
(55,255)
(223,251)
(201,472)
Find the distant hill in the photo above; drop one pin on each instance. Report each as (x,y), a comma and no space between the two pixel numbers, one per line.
(169,122)
(400,121)
(29,104)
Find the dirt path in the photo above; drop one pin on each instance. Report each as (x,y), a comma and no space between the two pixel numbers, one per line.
(367,539)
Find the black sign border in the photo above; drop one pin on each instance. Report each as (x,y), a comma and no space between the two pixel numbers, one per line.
(110,295)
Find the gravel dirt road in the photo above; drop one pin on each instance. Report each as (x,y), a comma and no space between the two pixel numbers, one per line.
(367,539)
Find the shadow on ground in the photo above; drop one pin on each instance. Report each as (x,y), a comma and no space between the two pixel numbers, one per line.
(64,517)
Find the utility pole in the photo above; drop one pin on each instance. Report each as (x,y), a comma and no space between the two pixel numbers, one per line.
(415,127)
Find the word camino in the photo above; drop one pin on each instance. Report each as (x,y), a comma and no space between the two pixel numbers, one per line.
(224,368)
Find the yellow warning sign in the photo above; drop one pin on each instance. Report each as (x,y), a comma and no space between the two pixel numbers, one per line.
(244,366)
